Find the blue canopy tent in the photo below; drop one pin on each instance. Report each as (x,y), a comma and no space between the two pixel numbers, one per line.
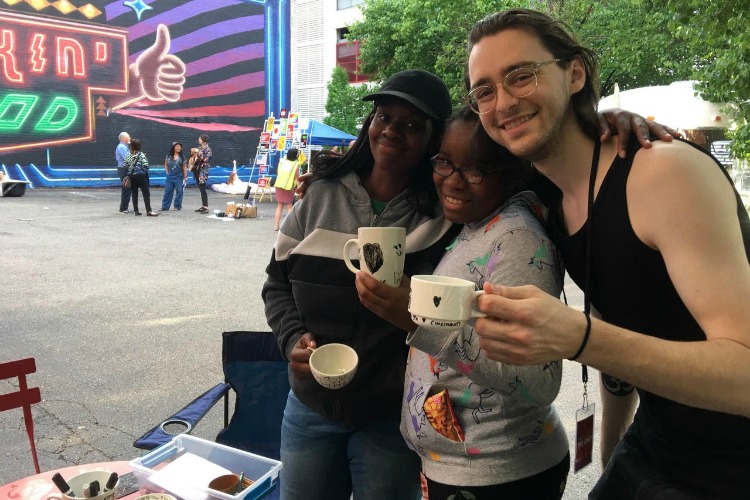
(320,134)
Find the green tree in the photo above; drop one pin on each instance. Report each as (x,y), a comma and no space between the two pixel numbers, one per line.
(427,34)
(344,106)
(631,38)
(717,32)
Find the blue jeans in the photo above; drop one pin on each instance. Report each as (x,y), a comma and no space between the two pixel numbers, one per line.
(328,461)
(172,184)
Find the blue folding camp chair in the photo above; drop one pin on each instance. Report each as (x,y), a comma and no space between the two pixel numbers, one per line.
(256,372)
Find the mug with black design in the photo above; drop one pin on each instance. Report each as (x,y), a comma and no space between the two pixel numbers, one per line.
(381,253)
(442,303)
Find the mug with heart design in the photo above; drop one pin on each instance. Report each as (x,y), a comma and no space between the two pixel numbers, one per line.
(442,303)
(382,251)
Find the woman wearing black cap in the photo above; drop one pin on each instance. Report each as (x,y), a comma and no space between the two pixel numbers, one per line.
(338,442)
(176,170)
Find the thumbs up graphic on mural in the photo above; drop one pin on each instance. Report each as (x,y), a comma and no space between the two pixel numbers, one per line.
(161,74)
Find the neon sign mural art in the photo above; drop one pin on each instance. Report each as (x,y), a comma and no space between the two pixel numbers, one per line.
(75,59)
(75,73)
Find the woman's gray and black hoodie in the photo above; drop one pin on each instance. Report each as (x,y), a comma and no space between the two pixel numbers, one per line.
(309,289)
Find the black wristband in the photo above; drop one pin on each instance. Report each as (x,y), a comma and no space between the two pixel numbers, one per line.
(585,338)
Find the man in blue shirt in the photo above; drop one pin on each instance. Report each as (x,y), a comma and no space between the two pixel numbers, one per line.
(123,149)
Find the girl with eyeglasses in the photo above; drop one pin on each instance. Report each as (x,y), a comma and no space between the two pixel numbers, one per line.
(508,440)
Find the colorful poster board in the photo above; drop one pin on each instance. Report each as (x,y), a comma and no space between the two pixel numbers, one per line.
(279,135)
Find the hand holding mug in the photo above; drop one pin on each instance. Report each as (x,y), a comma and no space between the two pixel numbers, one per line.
(388,302)
(443,303)
(299,358)
(382,251)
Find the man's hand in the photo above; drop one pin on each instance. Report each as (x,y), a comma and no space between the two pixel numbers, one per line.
(388,302)
(299,359)
(526,326)
(624,123)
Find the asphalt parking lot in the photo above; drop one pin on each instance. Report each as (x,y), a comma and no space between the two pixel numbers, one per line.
(124,316)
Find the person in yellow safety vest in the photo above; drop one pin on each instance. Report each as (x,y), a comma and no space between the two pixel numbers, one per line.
(286,178)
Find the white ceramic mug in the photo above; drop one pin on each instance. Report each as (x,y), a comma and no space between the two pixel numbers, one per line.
(77,483)
(442,302)
(381,253)
(334,365)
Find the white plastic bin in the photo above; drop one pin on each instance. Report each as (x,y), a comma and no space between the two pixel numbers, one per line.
(263,471)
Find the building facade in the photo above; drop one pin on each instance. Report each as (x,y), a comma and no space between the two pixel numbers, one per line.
(317,46)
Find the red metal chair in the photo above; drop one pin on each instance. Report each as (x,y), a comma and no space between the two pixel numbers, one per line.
(23,398)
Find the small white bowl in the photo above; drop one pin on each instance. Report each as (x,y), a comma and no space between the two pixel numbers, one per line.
(334,365)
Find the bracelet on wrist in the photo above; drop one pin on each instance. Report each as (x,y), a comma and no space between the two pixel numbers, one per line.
(585,338)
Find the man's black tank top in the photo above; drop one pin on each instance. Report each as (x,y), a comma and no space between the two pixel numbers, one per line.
(631,288)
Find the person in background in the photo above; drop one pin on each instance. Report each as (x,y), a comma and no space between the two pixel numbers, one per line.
(122,150)
(658,240)
(175,167)
(136,164)
(511,443)
(194,162)
(286,177)
(201,173)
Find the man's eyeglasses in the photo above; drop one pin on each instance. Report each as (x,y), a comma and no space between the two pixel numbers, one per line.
(520,82)
(445,168)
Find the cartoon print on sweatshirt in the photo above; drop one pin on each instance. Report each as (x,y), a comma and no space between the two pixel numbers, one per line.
(463,401)
(492,223)
(543,258)
(548,367)
(415,398)
(538,211)
(468,351)
(539,428)
(524,393)
(493,261)
(436,367)
(476,265)
(461,237)
(519,390)
(453,244)
(488,262)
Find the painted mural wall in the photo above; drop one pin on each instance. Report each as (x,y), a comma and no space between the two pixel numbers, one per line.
(74,74)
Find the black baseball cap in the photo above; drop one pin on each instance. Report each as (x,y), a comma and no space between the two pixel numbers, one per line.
(420,88)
